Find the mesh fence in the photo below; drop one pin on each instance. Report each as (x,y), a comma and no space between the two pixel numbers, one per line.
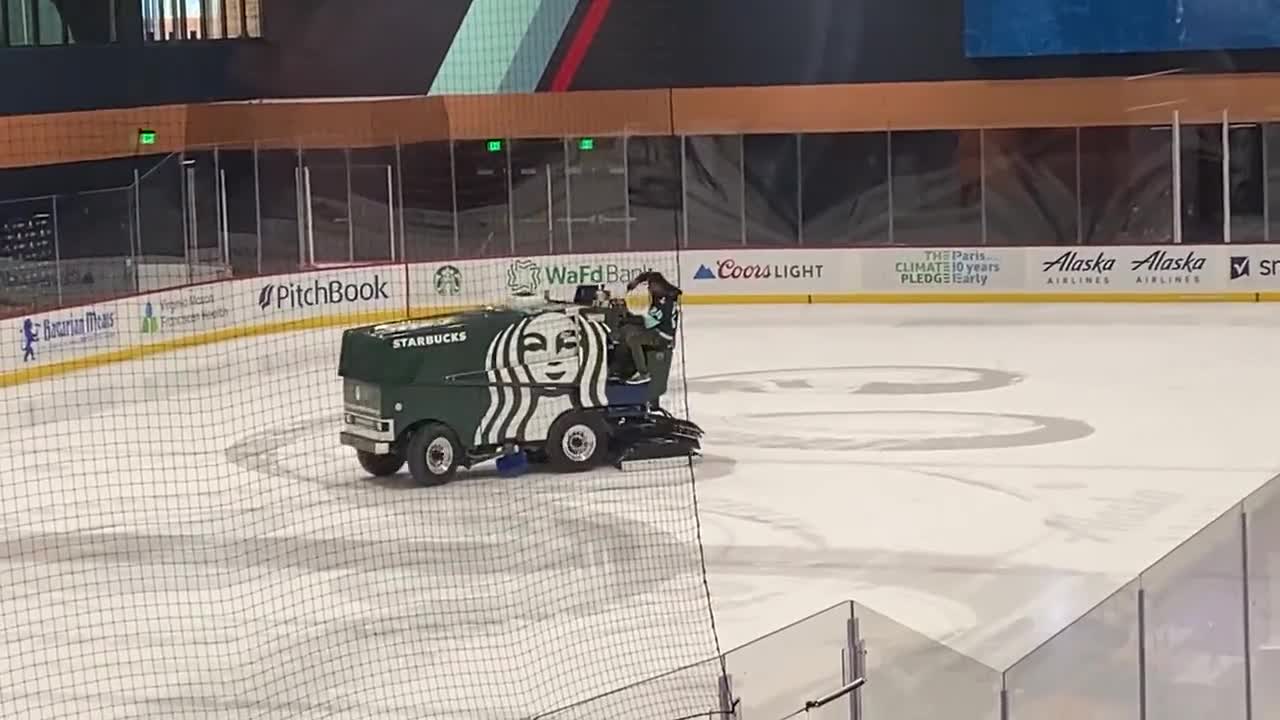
(188,537)
(304,428)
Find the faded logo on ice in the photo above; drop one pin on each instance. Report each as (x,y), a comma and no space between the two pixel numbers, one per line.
(854,428)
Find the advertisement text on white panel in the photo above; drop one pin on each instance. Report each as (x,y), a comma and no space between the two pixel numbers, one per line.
(559,272)
(1173,268)
(1255,267)
(452,283)
(1080,269)
(753,271)
(65,335)
(189,310)
(326,293)
(912,270)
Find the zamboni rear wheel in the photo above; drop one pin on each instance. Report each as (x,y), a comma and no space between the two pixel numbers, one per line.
(380,465)
(578,441)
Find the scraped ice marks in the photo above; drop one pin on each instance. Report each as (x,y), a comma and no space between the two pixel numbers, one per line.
(843,422)
(898,430)
(858,380)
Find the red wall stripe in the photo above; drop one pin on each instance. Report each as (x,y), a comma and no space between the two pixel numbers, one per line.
(578,46)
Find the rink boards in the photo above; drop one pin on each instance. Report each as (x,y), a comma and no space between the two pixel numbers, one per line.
(48,344)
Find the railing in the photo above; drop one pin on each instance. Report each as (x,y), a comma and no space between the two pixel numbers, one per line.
(278,207)
(1195,636)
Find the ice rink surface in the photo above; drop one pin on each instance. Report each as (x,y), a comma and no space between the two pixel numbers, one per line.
(184,529)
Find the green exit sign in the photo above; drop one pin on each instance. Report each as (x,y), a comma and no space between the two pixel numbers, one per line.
(146,137)
(495,146)
(587,144)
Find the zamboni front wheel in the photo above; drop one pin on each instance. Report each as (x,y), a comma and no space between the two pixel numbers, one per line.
(434,453)
(578,441)
(380,465)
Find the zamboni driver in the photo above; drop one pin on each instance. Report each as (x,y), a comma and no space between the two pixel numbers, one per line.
(660,322)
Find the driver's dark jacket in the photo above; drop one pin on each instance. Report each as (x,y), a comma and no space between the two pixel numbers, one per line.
(662,316)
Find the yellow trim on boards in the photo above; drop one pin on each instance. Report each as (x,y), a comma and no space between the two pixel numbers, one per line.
(137,352)
(1034,297)
(975,298)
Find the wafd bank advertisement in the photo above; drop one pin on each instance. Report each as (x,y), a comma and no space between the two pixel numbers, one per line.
(536,275)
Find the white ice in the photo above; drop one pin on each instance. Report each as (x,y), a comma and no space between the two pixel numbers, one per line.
(184,537)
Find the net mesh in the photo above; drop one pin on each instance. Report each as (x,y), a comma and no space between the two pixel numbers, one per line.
(184,534)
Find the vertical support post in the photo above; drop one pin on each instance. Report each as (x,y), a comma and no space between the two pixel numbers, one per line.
(888,142)
(223,218)
(860,667)
(626,190)
(851,664)
(551,215)
(982,181)
(728,709)
(799,190)
(257,204)
(311,230)
(217,185)
(1248,624)
(57,247)
(453,180)
(1004,701)
(1266,185)
(684,192)
(400,196)
(194,218)
(131,262)
(185,191)
(301,201)
(1079,191)
(391,213)
(511,210)
(742,187)
(351,216)
(1176,148)
(1226,179)
(136,241)
(1142,654)
(568,195)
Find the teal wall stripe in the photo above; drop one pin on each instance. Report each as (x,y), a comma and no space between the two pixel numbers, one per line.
(502,46)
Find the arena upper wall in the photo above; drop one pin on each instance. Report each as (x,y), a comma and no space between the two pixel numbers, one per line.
(1071,102)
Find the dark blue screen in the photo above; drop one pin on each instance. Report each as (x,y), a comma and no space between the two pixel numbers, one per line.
(1007,28)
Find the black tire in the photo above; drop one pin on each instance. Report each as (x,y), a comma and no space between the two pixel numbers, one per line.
(380,465)
(434,454)
(578,441)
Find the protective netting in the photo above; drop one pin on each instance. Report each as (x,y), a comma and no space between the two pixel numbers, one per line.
(184,533)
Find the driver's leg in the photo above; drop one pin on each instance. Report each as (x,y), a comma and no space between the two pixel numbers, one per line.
(637,342)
